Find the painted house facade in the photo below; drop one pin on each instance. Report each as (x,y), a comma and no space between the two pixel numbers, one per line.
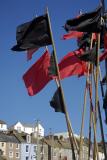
(37,129)
(9,146)
(3,126)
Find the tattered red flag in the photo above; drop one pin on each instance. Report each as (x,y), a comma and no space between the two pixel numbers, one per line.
(37,76)
(72,65)
(72,34)
(30,52)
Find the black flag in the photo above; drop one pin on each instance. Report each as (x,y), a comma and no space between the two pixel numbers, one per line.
(52,68)
(89,55)
(33,34)
(105,106)
(84,41)
(104,80)
(88,22)
(57,102)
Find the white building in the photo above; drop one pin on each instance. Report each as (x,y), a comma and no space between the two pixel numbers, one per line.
(28,149)
(3,126)
(36,129)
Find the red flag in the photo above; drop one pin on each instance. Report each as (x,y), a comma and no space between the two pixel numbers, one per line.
(30,52)
(103,56)
(72,34)
(37,77)
(72,65)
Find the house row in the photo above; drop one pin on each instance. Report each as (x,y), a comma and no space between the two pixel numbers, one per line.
(27,142)
(36,128)
(22,146)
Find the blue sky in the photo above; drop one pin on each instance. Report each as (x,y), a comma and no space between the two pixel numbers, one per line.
(15,104)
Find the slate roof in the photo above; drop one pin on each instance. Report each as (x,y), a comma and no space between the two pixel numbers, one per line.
(8,138)
(2,122)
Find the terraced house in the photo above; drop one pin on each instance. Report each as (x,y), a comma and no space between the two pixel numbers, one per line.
(9,146)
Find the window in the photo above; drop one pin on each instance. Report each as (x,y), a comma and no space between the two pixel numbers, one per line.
(11,145)
(28,139)
(17,146)
(1,125)
(27,158)
(2,144)
(10,154)
(35,149)
(17,154)
(27,148)
(2,152)
(19,129)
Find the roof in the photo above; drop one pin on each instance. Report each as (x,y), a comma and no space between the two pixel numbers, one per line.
(55,142)
(2,122)
(8,138)
(28,125)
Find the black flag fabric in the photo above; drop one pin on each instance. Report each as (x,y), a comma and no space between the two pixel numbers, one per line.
(84,41)
(88,22)
(104,80)
(33,34)
(89,55)
(105,106)
(52,68)
(57,102)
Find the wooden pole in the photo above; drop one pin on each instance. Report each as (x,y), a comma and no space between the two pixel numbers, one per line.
(84,106)
(90,124)
(100,118)
(62,94)
(82,124)
(96,87)
(94,122)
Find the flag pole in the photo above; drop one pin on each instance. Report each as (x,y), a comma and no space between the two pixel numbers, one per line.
(84,107)
(82,125)
(100,117)
(62,94)
(89,135)
(96,86)
(94,121)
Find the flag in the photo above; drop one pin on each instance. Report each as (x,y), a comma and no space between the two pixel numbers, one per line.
(30,52)
(103,56)
(52,67)
(104,80)
(33,34)
(84,41)
(89,55)
(57,102)
(88,22)
(72,34)
(37,76)
(105,106)
(72,65)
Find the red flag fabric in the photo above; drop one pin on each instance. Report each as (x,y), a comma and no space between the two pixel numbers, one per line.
(72,34)
(72,65)
(30,52)
(103,56)
(37,76)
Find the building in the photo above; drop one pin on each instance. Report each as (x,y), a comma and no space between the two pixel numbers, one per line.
(27,146)
(3,126)
(23,146)
(37,128)
(9,146)
(59,148)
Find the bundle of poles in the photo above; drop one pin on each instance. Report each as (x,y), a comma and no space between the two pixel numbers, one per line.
(95,111)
